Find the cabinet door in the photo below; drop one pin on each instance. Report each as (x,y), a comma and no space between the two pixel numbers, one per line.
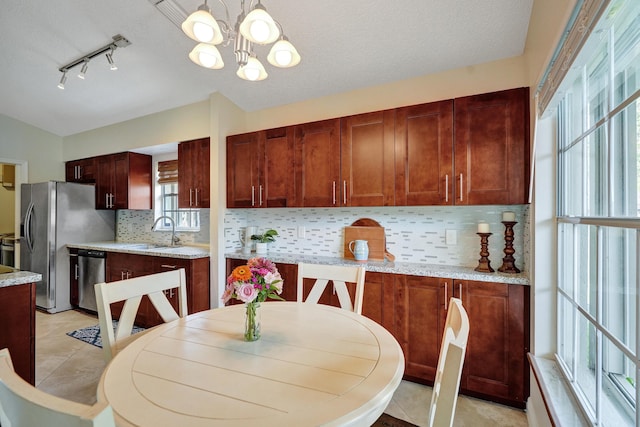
(17,317)
(82,171)
(495,363)
(73,277)
(104,182)
(421,312)
(193,174)
(317,164)
(120,189)
(379,300)
(202,173)
(367,159)
(276,187)
(243,170)
(424,154)
(122,266)
(492,148)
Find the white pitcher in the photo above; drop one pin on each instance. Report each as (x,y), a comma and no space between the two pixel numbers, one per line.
(359,249)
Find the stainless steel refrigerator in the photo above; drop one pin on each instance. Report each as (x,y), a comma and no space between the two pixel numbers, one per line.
(54,214)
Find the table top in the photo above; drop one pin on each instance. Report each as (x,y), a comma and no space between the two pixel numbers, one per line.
(313,365)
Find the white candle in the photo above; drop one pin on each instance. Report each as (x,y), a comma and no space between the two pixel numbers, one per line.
(483,227)
(508,216)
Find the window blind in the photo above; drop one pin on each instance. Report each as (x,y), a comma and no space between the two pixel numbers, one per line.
(167,172)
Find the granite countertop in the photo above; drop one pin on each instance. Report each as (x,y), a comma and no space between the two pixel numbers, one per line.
(414,269)
(142,248)
(18,278)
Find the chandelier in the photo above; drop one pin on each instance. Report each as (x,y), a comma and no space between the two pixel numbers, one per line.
(254,27)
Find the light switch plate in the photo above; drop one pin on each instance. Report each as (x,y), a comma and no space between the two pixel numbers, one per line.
(451,237)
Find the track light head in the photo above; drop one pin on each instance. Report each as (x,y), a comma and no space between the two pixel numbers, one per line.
(83,71)
(112,64)
(63,80)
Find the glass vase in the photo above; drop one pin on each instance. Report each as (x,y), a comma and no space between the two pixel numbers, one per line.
(252,322)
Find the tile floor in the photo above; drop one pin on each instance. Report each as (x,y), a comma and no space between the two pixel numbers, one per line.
(70,368)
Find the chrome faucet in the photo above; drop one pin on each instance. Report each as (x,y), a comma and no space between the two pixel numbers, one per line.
(174,239)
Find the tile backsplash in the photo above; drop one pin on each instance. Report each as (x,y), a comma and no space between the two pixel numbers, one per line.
(135,226)
(414,234)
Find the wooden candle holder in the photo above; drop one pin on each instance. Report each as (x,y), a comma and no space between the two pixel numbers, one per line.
(508,262)
(484,265)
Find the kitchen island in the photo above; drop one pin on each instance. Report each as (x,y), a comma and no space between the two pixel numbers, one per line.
(18,319)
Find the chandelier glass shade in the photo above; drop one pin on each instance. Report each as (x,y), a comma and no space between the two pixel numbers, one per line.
(255,27)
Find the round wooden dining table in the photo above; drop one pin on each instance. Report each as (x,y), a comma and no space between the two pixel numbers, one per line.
(313,365)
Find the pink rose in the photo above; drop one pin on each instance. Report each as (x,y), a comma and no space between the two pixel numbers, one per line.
(246,292)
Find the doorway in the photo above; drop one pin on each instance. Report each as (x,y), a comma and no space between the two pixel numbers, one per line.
(11,179)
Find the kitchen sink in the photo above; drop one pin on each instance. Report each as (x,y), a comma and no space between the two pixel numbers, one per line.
(144,246)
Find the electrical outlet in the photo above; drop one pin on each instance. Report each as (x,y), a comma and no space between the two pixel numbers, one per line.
(451,237)
(301,232)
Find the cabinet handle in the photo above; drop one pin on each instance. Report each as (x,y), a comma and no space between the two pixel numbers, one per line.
(122,275)
(80,172)
(253,195)
(190,197)
(344,192)
(334,192)
(460,291)
(169,266)
(196,191)
(106,200)
(77,272)
(461,196)
(260,195)
(446,185)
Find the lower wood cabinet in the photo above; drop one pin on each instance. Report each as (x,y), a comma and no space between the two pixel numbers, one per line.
(414,310)
(18,327)
(122,266)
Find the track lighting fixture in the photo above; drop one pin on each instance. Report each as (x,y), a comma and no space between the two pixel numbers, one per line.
(253,25)
(107,50)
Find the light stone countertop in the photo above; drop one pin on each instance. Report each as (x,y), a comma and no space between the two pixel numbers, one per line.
(138,248)
(19,278)
(414,269)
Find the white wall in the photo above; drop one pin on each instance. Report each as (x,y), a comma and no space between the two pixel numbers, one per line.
(20,142)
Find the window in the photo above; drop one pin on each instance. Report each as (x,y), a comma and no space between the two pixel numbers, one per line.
(598,168)
(185,219)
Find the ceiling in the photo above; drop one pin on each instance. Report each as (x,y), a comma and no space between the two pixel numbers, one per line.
(344,45)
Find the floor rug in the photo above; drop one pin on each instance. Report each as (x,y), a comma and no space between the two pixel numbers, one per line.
(91,334)
(387,420)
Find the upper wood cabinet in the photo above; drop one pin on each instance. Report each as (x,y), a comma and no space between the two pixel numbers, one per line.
(492,148)
(276,184)
(465,151)
(317,164)
(243,170)
(367,159)
(424,154)
(193,174)
(82,171)
(123,181)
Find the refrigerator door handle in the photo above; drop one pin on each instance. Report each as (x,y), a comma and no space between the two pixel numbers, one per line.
(28,219)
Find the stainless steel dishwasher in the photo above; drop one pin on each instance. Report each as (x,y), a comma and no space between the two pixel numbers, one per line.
(92,269)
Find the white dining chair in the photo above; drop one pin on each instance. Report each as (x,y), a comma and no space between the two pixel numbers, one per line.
(450,362)
(340,276)
(23,405)
(131,291)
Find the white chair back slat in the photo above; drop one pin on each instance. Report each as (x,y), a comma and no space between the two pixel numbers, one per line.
(450,362)
(131,291)
(339,276)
